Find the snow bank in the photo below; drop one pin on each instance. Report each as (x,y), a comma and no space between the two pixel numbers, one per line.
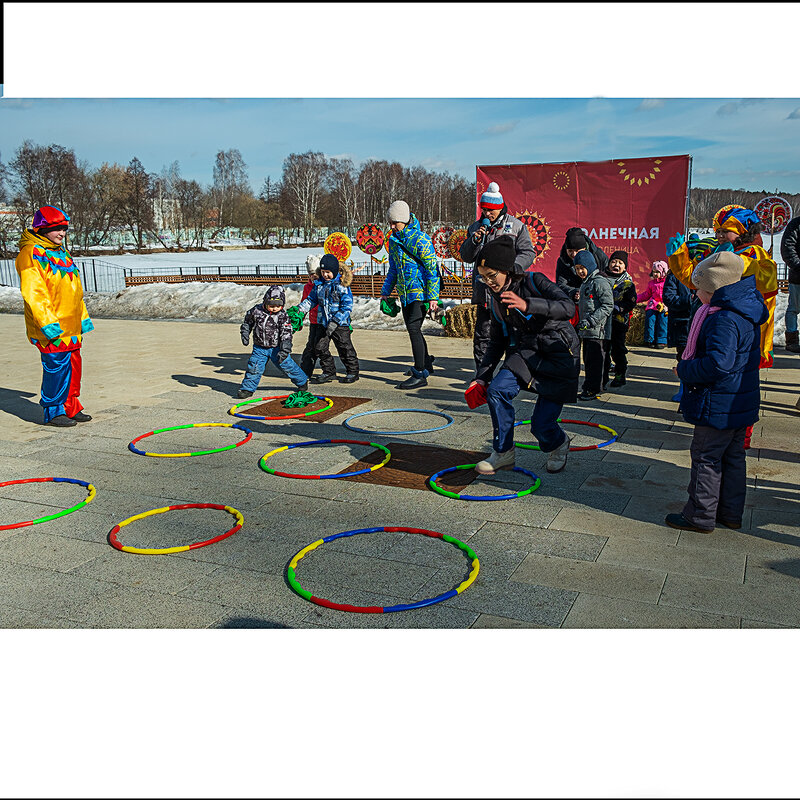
(208,302)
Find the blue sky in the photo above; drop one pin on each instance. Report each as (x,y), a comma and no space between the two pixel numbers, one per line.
(736,143)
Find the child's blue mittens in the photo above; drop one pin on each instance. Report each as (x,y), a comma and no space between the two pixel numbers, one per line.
(295,318)
(87,325)
(675,244)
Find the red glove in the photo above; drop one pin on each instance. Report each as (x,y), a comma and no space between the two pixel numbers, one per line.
(475,394)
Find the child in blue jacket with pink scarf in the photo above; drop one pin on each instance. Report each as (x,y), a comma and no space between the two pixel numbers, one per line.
(719,371)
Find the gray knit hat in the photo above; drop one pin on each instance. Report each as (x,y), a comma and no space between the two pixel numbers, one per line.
(718,270)
(399,212)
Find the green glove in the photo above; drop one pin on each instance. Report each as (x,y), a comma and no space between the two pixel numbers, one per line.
(299,399)
(295,318)
(390,307)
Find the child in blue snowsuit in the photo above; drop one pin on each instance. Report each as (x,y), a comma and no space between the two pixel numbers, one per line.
(334,300)
(272,341)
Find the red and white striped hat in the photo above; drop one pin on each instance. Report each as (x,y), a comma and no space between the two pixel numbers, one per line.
(491,198)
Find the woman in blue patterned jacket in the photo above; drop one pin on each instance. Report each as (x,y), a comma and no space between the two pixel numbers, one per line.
(414,272)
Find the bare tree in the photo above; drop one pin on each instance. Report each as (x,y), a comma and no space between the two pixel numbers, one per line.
(302,181)
(137,201)
(342,183)
(230,185)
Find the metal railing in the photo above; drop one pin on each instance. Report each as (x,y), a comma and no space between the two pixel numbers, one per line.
(96,275)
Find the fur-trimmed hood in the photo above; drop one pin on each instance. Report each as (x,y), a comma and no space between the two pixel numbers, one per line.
(345,274)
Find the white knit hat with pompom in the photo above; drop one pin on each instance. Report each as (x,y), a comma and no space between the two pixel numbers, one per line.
(491,198)
(312,264)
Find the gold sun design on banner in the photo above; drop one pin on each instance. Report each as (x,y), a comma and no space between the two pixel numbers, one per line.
(641,176)
(561,180)
(539,230)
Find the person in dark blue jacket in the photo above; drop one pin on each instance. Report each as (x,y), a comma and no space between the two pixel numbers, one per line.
(719,371)
(681,303)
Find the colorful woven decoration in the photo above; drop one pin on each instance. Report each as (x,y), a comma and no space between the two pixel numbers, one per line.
(539,230)
(721,213)
(457,238)
(440,237)
(369,238)
(338,244)
(774,213)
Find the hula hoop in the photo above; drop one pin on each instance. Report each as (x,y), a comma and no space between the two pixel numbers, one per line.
(89,486)
(234,413)
(114,542)
(574,422)
(432,483)
(194,425)
(323,441)
(295,584)
(398,433)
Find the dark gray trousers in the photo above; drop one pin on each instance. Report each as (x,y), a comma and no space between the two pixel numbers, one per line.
(719,476)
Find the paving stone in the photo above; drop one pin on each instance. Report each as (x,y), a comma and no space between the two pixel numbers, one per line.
(670,558)
(69,595)
(11,617)
(543,605)
(771,571)
(596,611)
(608,580)
(758,603)
(255,594)
(546,541)
(602,523)
(46,551)
(494,622)
(129,607)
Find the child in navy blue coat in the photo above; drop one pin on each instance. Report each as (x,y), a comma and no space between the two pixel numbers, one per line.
(719,372)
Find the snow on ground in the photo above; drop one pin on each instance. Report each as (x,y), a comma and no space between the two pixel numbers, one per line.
(208,302)
(228,302)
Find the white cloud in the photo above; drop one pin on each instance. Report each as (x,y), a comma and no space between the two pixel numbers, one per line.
(649,105)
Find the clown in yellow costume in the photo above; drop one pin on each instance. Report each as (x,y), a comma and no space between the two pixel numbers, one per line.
(55,314)
(738,231)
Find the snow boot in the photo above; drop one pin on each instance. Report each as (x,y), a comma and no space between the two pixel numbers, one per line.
(678,396)
(792,343)
(495,461)
(619,380)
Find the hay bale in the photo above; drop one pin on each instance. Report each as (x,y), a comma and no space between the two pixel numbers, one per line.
(636,328)
(461,321)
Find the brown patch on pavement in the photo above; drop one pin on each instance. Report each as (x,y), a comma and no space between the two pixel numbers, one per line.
(275,408)
(411,465)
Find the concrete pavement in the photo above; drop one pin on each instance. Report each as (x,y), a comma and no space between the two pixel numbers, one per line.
(587,550)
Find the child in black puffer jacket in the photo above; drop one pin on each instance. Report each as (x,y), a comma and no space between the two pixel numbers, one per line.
(272,341)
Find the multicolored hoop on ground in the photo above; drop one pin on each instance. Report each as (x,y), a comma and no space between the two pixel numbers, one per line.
(194,425)
(295,584)
(432,483)
(613,433)
(234,413)
(398,433)
(146,551)
(263,466)
(89,486)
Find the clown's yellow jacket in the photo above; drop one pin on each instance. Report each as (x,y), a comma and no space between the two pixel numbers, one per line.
(55,314)
(758,263)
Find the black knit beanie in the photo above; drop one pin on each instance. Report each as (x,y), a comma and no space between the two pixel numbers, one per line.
(576,239)
(499,254)
(621,255)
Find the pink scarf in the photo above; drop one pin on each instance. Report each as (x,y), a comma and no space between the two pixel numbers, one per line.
(697,322)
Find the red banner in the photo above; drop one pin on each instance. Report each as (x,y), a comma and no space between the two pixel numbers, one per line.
(634,205)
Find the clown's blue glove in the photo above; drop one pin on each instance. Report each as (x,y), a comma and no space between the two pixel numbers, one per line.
(87,325)
(52,331)
(675,244)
